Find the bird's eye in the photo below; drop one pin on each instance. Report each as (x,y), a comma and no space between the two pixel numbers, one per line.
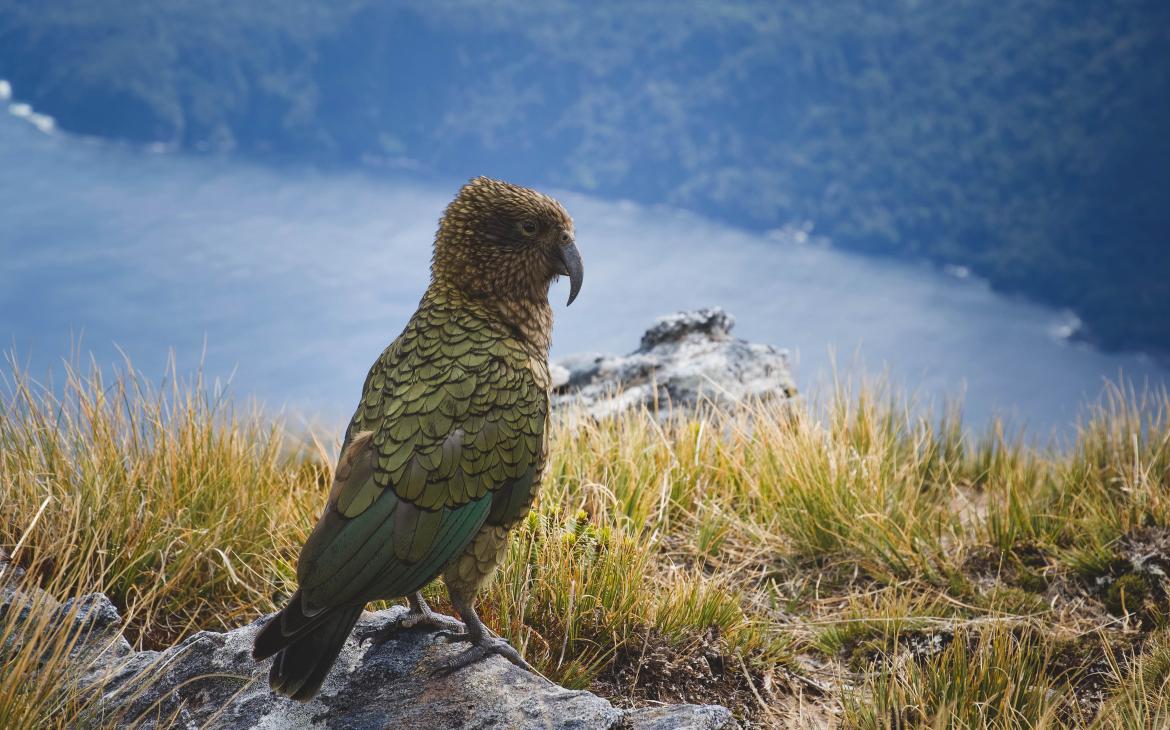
(529,227)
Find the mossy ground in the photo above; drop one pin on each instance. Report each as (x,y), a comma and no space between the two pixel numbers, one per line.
(842,564)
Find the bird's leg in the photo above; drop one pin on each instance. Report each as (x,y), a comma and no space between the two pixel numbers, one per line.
(420,614)
(483,641)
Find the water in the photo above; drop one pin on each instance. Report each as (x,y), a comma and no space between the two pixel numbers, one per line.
(292,281)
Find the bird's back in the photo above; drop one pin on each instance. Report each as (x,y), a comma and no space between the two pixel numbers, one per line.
(451,422)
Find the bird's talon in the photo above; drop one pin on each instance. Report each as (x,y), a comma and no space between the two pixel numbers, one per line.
(417,619)
(481,650)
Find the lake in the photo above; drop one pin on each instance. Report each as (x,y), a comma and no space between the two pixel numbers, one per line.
(290,282)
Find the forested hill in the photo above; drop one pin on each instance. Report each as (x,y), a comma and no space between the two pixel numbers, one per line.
(1026,139)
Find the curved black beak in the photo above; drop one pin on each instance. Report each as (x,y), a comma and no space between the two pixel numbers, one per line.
(571,266)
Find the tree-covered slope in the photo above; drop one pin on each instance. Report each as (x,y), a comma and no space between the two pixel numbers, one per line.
(1025,139)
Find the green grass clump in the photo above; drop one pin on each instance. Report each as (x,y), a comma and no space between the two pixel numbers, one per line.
(804,563)
(1126,594)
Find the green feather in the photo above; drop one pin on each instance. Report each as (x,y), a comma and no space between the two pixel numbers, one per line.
(413,480)
(353,502)
(510,502)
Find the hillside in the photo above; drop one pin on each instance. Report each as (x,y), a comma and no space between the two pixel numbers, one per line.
(1024,140)
(804,562)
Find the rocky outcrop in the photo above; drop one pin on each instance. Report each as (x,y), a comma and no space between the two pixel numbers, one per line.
(211,681)
(684,359)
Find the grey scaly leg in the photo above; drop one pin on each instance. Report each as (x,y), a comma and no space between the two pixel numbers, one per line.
(483,642)
(420,614)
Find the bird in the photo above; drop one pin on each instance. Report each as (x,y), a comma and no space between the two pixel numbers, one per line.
(447,448)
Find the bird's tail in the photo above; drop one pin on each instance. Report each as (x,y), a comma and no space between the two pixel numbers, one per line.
(305,647)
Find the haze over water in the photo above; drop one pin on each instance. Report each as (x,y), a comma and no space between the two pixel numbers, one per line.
(291,281)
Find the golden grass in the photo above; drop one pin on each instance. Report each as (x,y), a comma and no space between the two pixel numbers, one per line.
(811,548)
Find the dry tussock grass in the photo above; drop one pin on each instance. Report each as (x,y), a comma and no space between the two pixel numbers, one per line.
(843,564)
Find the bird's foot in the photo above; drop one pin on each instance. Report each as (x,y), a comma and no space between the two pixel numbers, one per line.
(481,647)
(413,619)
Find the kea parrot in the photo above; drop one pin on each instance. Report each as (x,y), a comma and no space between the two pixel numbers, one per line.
(446,450)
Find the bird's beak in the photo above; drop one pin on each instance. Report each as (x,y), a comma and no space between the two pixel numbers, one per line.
(571,266)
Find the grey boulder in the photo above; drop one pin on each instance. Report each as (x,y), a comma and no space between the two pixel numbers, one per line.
(683,359)
(211,681)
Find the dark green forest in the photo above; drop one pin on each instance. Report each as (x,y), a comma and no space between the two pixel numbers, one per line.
(1026,139)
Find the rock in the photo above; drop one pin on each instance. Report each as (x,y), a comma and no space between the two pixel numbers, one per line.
(679,717)
(683,359)
(211,681)
(559,375)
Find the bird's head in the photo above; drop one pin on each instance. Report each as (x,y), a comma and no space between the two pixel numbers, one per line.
(504,241)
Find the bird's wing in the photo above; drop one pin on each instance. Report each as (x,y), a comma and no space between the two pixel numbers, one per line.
(455,417)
